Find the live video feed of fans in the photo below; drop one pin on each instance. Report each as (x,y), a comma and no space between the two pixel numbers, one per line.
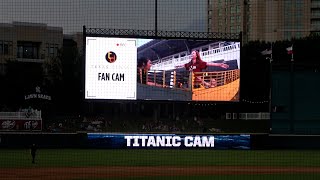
(162,69)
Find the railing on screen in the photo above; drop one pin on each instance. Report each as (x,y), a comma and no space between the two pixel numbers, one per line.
(214,79)
(174,79)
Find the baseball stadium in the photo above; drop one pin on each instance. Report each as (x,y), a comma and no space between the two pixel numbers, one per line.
(130,103)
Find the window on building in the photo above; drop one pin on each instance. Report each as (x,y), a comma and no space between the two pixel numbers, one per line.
(298,35)
(29,50)
(52,49)
(238,19)
(232,20)
(315,25)
(315,13)
(232,29)
(288,35)
(5,47)
(315,3)
(237,9)
(232,9)
(238,28)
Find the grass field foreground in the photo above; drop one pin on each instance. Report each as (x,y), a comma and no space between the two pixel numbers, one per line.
(97,157)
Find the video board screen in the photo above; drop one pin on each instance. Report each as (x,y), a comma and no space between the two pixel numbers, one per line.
(162,69)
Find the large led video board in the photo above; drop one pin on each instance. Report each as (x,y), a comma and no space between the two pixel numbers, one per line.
(162,69)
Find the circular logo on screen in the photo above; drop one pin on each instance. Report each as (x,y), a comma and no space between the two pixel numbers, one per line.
(111,57)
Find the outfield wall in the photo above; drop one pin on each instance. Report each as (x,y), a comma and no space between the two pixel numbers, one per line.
(295,102)
(271,141)
(45,140)
(118,141)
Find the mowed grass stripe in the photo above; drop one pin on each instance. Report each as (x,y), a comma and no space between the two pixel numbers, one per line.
(99,157)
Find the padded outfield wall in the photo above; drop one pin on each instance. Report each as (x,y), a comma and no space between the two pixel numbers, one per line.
(118,141)
(295,102)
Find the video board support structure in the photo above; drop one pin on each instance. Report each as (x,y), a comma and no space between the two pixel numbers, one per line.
(101,32)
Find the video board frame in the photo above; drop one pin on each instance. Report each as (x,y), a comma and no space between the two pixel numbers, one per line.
(159,35)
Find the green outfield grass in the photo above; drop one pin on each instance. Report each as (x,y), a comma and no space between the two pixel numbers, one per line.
(79,158)
(56,158)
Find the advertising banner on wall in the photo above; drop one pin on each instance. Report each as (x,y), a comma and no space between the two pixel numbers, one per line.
(168,141)
(20,125)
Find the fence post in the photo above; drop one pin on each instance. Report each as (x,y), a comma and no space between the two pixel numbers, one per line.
(154,77)
(174,79)
(163,78)
(190,81)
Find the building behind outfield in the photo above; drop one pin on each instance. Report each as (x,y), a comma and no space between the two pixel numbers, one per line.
(28,43)
(264,20)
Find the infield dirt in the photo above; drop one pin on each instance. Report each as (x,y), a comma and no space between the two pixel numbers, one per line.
(49,173)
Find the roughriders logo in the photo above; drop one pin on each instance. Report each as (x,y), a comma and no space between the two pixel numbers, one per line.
(8,124)
(30,124)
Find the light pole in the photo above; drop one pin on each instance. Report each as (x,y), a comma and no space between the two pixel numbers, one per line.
(270,88)
(156,17)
